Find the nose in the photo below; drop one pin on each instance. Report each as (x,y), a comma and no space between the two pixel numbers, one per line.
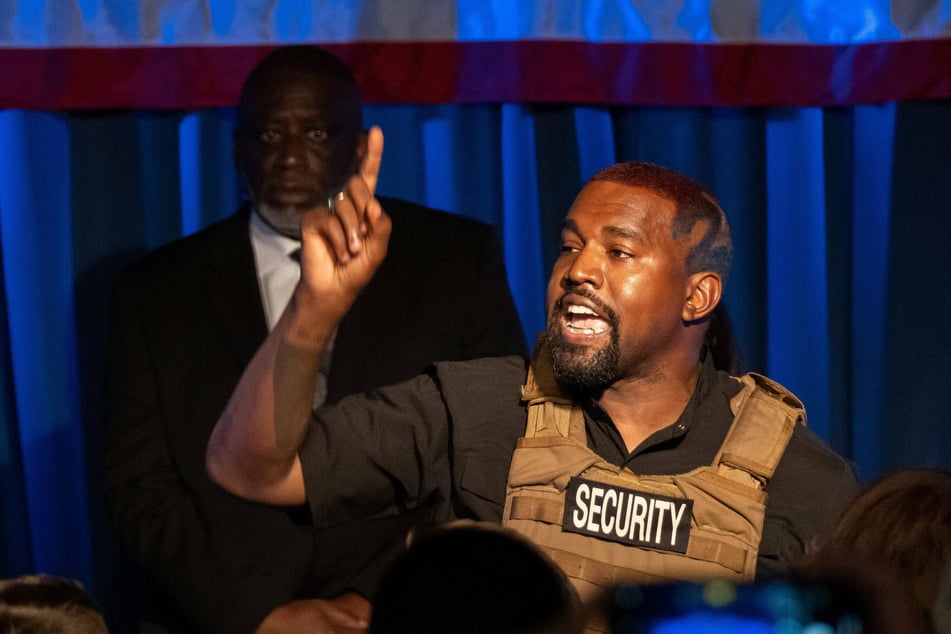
(585,268)
(292,150)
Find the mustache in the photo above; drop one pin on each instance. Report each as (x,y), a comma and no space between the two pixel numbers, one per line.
(606,310)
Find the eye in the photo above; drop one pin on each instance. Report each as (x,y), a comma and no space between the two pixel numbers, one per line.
(620,254)
(317,134)
(569,247)
(270,136)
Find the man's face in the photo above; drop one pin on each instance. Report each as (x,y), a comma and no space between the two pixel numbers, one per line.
(617,291)
(298,142)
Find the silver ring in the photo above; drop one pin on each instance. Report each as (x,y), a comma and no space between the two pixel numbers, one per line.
(333,200)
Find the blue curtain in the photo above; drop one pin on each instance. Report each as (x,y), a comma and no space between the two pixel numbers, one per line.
(840,220)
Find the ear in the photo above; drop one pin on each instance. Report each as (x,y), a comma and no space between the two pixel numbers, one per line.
(703,294)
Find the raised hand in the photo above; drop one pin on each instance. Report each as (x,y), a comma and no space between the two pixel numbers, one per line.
(346,614)
(344,242)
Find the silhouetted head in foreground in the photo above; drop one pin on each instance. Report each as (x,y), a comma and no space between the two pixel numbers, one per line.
(891,546)
(47,604)
(468,578)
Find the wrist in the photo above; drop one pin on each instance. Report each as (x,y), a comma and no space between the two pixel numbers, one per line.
(309,322)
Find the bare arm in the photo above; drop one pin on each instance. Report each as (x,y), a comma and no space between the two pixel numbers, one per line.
(253,448)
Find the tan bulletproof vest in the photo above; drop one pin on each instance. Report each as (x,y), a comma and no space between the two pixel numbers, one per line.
(605,525)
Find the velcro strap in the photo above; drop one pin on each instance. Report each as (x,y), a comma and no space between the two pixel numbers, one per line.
(770,440)
(540,384)
(598,572)
(539,509)
(764,422)
(708,549)
(546,442)
(735,481)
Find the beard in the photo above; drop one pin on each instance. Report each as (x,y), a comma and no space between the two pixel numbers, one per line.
(579,369)
(284,220)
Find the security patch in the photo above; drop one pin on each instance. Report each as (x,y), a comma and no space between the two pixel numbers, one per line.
(627,516)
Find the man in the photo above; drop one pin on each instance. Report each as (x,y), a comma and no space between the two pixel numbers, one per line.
(639,462)
(188,318)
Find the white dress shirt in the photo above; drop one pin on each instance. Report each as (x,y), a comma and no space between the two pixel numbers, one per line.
(278,274)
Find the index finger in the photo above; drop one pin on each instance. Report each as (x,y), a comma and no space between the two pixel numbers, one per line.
(370,168)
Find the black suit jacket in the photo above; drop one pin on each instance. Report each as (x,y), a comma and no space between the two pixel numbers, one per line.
(187,320)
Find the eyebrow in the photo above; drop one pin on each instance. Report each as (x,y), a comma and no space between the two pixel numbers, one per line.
(620,232)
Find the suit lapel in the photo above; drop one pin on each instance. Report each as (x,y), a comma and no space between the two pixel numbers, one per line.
(231,284)
(359,336)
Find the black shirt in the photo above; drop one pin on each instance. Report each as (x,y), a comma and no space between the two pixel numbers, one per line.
(447,439)
(707,417)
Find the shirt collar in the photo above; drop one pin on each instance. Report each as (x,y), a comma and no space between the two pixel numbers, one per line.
(271,248)
(707,380)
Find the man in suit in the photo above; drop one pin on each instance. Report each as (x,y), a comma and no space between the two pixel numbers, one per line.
(188,318)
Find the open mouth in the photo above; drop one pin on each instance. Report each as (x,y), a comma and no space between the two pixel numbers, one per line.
(580,319)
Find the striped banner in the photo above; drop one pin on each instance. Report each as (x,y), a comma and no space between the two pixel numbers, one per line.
(187,54)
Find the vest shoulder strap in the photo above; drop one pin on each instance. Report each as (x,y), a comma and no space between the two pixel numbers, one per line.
(765,414)
(550,411)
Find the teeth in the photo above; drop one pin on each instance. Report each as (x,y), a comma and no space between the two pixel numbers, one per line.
(583,320)
(586,331)
(574,309)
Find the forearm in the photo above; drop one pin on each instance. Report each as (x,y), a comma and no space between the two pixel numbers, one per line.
(253,448)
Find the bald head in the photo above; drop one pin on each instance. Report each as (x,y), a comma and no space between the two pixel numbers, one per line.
(309,64)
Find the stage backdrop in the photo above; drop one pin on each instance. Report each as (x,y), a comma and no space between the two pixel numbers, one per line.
(824,129)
